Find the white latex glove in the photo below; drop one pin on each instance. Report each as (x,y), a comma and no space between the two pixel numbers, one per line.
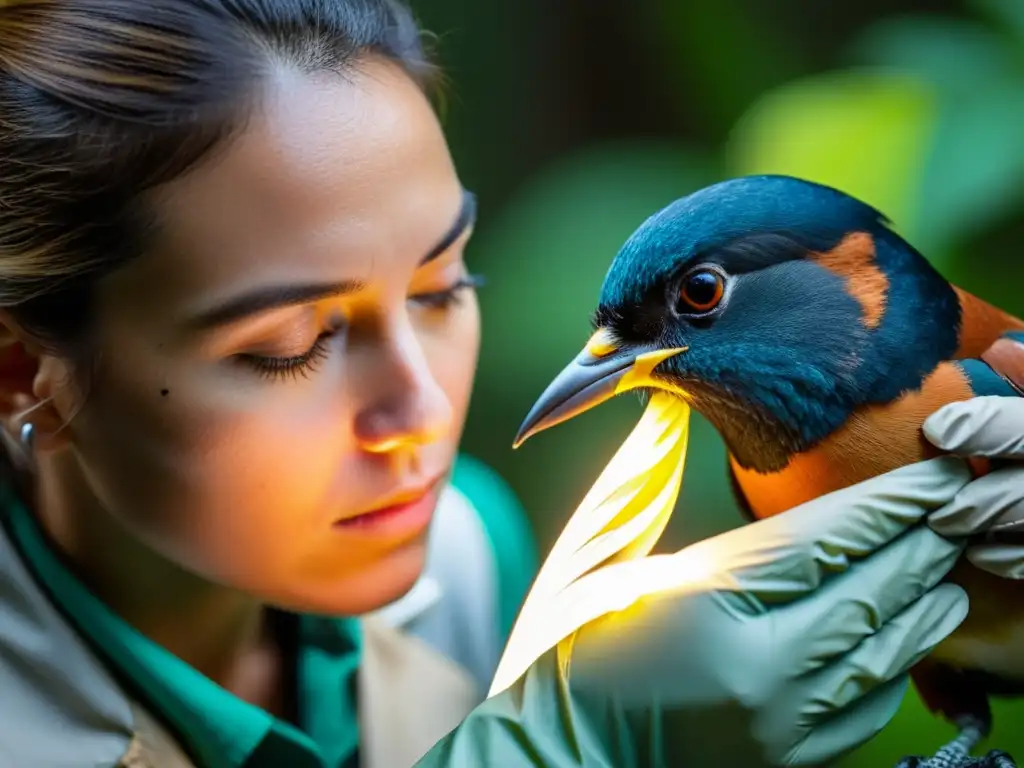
(991,508)
(790,650)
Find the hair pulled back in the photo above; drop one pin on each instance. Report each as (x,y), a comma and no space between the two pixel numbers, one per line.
(104,100)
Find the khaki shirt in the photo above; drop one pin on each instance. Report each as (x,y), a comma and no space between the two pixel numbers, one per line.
(60,707)
(409,698)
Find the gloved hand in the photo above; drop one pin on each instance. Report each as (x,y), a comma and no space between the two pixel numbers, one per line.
(993,505)
(792,650)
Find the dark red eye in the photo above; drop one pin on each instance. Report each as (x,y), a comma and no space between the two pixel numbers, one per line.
(701,291)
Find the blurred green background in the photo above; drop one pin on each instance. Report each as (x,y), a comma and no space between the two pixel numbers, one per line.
(574,120)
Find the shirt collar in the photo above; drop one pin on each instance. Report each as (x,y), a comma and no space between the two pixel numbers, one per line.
(221,729)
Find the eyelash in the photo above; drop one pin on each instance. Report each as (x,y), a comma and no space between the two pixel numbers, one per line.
(451,296)
(291,367)
(306,363)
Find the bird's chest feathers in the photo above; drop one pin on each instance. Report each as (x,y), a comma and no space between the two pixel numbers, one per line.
(874,440)
(992,635)
(878,439)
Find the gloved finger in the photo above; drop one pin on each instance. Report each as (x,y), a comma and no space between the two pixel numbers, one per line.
(982,426)
(993,503)
(783,557)
(856,605)
(1006,560)
(851,727)
(888,653)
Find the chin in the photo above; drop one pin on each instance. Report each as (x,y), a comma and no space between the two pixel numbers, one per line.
(374,586)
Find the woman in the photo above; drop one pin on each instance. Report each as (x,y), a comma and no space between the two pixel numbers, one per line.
(268,403)
(239,343)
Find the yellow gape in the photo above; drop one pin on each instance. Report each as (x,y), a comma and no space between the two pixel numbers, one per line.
(599,563)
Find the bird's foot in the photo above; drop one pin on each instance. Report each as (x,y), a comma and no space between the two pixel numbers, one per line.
(957,753)
(994,759)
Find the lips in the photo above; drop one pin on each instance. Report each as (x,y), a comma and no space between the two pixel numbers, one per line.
(414,503)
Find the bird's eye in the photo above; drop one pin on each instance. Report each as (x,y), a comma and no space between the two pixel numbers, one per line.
(701,291)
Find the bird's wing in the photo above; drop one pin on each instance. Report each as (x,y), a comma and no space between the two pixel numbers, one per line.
(981,325)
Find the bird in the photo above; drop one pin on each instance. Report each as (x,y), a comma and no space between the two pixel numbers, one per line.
(816,340)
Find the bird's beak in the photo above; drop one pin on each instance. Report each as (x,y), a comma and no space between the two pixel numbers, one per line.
(598,373)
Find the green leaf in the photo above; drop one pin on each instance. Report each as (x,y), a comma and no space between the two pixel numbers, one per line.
(974,168)
(864,132)
(952,55)
(1008,13)
(974,176)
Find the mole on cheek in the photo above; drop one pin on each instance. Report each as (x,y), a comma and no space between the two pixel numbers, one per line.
(164,392)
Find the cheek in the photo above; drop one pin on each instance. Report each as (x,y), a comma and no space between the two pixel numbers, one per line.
(452,357)
(218,474)
(239,480)
(795,310)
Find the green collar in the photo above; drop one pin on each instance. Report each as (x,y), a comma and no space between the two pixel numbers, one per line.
(218,729)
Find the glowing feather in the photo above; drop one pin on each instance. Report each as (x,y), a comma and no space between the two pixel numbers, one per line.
(618,522)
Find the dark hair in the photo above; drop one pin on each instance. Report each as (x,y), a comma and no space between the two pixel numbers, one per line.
(102,100)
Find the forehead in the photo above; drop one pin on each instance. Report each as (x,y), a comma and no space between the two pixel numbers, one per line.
(334,178)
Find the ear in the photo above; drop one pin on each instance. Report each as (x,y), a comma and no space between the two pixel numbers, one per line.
(29,381)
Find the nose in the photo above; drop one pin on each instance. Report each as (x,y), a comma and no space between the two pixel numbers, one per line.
(405,406)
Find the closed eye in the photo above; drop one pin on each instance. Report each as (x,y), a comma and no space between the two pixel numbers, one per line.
(450,296)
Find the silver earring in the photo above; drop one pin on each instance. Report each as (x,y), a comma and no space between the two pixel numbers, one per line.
(21,460)
(20,457)
(21,450)
(28,437)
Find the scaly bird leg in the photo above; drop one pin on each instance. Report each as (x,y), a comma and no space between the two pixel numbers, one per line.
(963,701)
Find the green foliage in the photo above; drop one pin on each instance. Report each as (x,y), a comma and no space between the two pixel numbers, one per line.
(953,54)
(547,253)
(1008,14)
(925,126)
(691,38)
(863,132)
(974,174)
(922,120)
(553,243)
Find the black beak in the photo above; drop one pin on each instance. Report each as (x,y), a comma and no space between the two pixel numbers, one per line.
(598,373)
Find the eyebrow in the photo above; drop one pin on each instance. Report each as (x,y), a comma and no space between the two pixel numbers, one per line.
(271,297)
(465,219)
(281,296)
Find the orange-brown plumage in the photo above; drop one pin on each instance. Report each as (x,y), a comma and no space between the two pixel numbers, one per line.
(981,325)
(875,440)
(817,341)
(853,260)
(879,438)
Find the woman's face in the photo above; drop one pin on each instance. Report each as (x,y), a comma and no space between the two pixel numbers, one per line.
(295,354)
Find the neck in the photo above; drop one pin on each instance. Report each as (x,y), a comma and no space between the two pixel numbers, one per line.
(218,631)
(754,438)
(792,408)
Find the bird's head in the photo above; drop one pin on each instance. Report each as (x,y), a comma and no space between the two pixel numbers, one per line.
(774,305)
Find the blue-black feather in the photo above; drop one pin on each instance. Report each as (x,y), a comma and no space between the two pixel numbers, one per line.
(815,216)
(790,358)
